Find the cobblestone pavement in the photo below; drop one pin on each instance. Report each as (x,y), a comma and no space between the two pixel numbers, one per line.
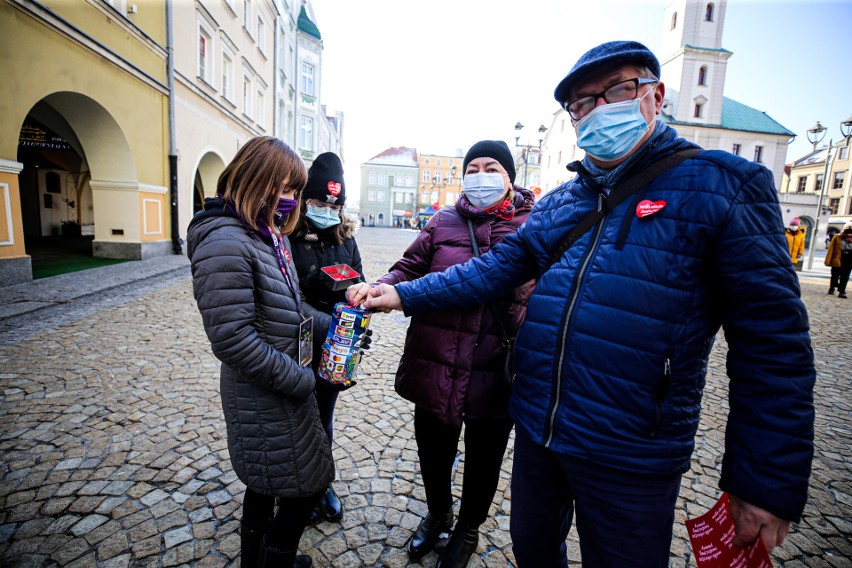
(113,451)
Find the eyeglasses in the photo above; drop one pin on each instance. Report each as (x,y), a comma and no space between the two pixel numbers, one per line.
(317,203)
(618,93)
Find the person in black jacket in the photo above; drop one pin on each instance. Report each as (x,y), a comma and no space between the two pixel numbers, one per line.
(245,284)
(325,237)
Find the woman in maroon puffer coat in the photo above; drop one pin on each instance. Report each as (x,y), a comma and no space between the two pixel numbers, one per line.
(452,364)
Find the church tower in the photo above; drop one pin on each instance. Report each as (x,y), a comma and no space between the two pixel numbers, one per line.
(694,63)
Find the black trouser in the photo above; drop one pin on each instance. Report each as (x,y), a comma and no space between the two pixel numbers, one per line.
(845,269)
(282,529)
(437,444)
(835,278)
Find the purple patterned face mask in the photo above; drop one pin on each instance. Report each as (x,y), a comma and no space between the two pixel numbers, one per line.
(285,207)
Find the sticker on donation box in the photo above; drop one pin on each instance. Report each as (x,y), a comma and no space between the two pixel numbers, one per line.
(341,350)
(712,539)
(306,342)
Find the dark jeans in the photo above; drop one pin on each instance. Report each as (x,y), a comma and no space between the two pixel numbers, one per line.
(835,278)
(623,519)
(840,278)
(282,529)
(437,444)
(326,400)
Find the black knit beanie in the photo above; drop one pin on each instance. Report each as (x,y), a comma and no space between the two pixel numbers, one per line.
(496,149)
(325,180)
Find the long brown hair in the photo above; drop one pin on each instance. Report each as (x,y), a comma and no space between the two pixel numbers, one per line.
(254,178)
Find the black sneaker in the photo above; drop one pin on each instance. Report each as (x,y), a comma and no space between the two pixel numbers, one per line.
(831,292)
(842,295)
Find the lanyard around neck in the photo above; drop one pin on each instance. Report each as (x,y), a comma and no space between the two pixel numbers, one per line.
(282,255)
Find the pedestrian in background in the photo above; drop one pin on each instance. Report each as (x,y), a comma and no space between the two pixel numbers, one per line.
(795,234)
(452,363)
(839,258)
(638,266)
(325,236)
(245,284)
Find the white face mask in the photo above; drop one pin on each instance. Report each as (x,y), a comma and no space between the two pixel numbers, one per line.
(794,228)
(483,189)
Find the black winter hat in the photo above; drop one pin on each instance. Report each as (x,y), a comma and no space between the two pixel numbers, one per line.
(603,56)
(325,180)
(496,149)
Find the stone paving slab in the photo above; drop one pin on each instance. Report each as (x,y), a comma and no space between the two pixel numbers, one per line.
(113,449)
(63,288)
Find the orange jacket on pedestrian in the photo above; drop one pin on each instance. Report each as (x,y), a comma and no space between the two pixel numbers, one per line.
(795,243)
(832,257)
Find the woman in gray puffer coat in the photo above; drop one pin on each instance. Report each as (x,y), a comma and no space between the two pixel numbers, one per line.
(247,290)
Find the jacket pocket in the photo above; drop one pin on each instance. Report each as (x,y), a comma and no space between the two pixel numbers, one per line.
(661,394)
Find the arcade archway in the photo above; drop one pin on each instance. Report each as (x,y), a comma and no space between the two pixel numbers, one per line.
(65,140)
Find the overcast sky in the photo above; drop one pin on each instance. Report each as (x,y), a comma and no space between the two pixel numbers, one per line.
(442,74)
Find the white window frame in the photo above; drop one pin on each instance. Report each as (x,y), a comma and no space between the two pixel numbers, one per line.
(261,111)
(248,94)
(205,69)
(843,153)
(380,196)
(372,178)
(758,154)
(261,33)
(838,177)
(247,15)
(307,79)
(371,196)
(306,132)
(227,78)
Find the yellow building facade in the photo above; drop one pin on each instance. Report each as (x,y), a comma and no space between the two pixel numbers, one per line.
(84,124)
(440,180)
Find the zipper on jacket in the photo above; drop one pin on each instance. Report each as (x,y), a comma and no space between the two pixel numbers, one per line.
(572,301)
(662,392)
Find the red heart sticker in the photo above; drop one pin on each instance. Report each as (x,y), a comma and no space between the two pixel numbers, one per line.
(648,207)
(334,188)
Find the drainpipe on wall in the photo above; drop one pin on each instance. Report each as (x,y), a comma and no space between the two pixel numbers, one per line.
(177,242)
(276,89)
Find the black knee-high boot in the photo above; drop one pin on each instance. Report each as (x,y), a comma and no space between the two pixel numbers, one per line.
(250,540)
(461,547)
(274,558)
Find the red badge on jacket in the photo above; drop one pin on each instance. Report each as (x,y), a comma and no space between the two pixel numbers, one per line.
(648,207)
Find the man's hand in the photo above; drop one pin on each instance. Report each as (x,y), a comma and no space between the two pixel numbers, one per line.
(357,293)
(383,298)
(751,521)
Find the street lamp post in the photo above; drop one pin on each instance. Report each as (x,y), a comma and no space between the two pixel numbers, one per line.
(816,134)
(526,147)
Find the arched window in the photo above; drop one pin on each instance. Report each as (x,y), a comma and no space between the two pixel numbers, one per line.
(708,12)
(702,76)
(674,20)
(381,218)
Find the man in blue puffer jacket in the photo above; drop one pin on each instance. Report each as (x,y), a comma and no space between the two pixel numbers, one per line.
(612,358)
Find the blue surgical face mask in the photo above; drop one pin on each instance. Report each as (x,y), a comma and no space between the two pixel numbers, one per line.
(323,217)
(611,131)
(483,189)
